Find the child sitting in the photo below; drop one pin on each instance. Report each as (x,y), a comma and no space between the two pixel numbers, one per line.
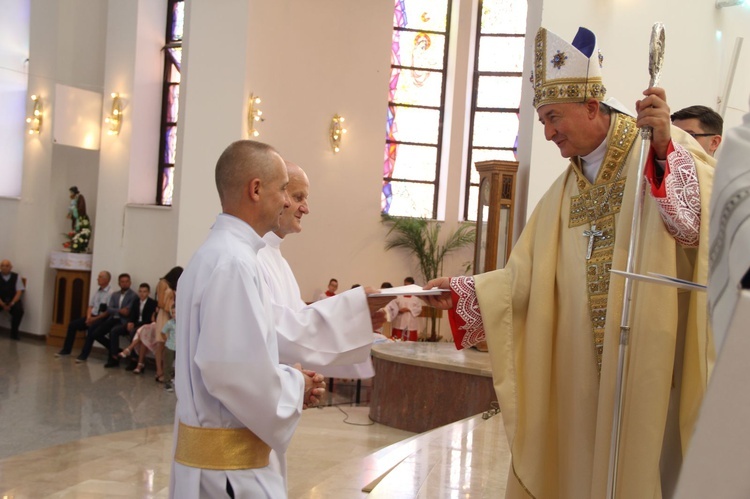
(169,349)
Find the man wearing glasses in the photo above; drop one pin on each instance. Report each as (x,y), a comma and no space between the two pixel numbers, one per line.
(703,123)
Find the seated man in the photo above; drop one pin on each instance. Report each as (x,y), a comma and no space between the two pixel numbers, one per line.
(118,309)
(11,289)
(702,123)
(142,312)
(95,314)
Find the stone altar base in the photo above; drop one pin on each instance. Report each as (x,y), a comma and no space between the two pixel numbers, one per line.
(419,386)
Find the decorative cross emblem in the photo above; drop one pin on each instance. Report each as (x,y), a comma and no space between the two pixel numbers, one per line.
(591,234)
(558,60)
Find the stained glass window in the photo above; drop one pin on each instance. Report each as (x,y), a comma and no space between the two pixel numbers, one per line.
(411,166)
(497,89)
(170,101)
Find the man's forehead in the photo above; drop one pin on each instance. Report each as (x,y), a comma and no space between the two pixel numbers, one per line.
(298,183)
(689,125)
(548,109)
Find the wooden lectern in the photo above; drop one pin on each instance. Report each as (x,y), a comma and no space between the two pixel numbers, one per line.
(71,294)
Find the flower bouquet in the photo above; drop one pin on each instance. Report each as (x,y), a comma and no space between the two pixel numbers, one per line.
(78,242)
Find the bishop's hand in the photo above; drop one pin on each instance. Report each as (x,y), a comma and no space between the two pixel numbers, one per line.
(443,301)
(653,112)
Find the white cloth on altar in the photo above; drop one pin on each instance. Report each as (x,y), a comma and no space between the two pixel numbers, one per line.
(227,364)
(331,336)
(729,232)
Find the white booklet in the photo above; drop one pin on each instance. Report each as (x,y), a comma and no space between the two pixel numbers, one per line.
(411,289)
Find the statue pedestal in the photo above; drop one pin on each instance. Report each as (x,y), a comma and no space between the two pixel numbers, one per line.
(71,294)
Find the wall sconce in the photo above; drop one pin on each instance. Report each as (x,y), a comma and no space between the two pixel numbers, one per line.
(114,120)
(35,121)
(336,132)
(254,115)
(728,3)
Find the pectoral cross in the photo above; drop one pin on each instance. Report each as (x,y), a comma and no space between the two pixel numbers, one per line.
(591,234)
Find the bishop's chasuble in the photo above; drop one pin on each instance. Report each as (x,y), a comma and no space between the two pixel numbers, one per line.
(552,323)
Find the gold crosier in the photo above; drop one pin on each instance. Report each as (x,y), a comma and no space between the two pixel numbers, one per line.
(597,205)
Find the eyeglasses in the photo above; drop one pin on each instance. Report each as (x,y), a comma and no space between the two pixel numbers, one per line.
(694,135)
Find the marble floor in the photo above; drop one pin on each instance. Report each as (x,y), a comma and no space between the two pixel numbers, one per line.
(72,430)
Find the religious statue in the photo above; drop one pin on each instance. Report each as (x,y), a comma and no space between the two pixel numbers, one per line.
(78,238)
(77,208)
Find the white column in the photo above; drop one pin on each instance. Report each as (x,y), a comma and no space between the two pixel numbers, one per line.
(214,91)
(128,239)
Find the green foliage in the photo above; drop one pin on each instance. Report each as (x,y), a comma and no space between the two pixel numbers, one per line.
(419,236)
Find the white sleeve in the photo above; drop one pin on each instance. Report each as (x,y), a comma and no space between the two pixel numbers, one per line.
(332,332)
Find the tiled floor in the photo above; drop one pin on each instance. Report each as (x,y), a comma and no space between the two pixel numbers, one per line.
(82,431)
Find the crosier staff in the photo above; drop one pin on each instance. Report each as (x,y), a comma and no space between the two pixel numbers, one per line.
(655,62)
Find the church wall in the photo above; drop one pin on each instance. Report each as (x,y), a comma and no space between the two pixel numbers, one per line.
(14,50)
(307,62)
(213,96)
(130,237)
(332,57)
(65,46)
(734,22)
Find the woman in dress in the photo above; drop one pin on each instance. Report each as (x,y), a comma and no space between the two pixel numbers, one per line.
(151,335)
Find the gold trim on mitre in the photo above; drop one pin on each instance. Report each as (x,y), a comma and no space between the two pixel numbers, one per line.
(562,73)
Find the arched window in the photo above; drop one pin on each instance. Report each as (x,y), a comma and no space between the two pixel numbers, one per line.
(417,99)
(170,102)
(496,92)
(416,108)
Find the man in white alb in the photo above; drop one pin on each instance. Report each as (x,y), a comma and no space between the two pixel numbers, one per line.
(406,320)
(331,336)
(237,406)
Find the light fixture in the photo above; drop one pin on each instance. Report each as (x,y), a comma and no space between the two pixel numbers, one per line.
(720,4)
(35,120)
(114,120)
(254,115)
(336,132)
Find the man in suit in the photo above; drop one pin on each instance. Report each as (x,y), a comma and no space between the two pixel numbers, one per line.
(95,315)
(142,312)
(118,309)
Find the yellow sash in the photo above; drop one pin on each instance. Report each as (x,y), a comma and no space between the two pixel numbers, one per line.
(220,448)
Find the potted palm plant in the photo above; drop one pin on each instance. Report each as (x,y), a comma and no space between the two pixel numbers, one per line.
(420,237)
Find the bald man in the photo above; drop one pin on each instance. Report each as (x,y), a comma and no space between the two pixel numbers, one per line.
(237,406)
(11,290)
(332,336)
